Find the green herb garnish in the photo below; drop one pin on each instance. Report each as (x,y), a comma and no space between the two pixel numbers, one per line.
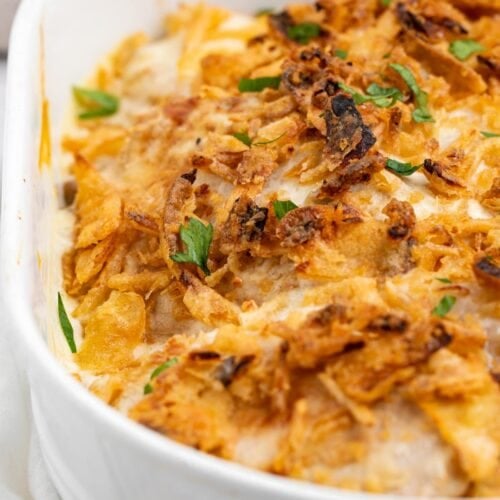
(400,168)
(385,3)
(463,49)
(421,113)
(148,388)
(281,208)
(95,103)
(489,135)
(65,324)
(264,12)
(303,32)
(444,306)
(444,280)
(259,84)
(382,97)
(263,143)
(243,137)
(341,54)
(197,237)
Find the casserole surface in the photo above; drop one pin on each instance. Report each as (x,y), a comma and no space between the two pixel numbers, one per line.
(305,183)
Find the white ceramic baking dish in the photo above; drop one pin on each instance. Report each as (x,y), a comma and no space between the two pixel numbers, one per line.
(92,452)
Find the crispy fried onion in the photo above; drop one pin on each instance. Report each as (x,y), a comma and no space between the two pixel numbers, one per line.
(244,227)
(347,137)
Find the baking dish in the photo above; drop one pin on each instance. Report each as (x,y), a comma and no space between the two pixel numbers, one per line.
(92,452)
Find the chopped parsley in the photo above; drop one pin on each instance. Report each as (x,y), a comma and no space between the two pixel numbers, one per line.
(400,168)
(264,12)
(421,113)
(259,84)
(281,208)
(463,49)
(382,97)
(95,103)
(444,280)
(263,143)
(385,3)
(148,388)
(341,54)
(243,137)
(445,305)
(303,32)
(197,237)
(489,135)
(65,324)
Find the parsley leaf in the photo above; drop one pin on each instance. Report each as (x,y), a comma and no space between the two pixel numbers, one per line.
(264,12)
(378,93)
(421,113)
(95,103)
(263,143)
(65,324)
(445,305)
(243,137)
(281,208)
(148,388)
(197,237)
(341,54)
(382,97)
(489,135)
(444,280)
(401,168)
(259,84)
(463,49)
(303,32)
(385,3)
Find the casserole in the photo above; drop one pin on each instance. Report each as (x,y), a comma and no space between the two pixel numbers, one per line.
(45,247)
(92,452)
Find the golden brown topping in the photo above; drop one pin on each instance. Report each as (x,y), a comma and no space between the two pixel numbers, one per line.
(347,137)
(69,192)
(179,109)
(388,323)
(180,200)
(356,172)
(416,22)
(281,23)
(256,165)
(244,227)
(438,172)
(492,197)
(490,63)
(303,224)
(371,372)
(229,368)
(142,221)
(205,304)
(324,333)
(98,206)
(487,271)
(401,219)
(256,238)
